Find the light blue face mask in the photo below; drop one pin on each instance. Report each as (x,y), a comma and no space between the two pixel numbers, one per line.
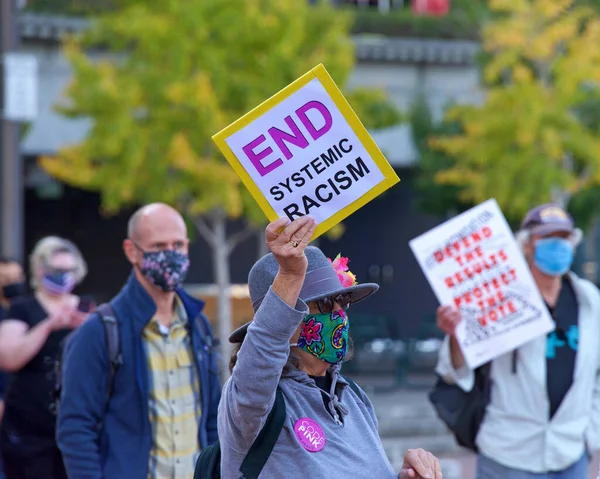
(553,256)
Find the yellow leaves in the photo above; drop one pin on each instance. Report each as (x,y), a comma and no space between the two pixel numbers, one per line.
(71,47)
(177,72)
(56,168)
(551,143)
(108,81)
(455,176)
(452,145)
(525,138)
(180,153)
(522,74)
(207,173)
(505,35)
(336,232)
(551,8)
(177,92)
(508,5)
(539,31)
(564,29)
(544,52)
(545,9)
(473,128)
(374,108)
(70,166)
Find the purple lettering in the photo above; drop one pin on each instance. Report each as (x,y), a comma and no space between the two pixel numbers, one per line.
(322,109)
(256,158)
(295,138)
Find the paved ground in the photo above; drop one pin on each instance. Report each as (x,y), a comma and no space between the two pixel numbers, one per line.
(406,420)
(462,466)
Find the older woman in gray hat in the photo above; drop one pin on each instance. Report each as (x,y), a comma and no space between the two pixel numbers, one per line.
(293,349)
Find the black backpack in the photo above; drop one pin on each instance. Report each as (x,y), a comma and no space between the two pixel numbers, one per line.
(113,346)
(208,465)
(463,412)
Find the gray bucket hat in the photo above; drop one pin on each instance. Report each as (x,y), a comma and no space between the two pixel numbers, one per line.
(321,281)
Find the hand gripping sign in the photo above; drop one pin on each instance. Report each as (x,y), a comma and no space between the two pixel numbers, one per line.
(473,263)
(304,151)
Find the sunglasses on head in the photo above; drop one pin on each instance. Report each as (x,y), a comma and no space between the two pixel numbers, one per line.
(327,305)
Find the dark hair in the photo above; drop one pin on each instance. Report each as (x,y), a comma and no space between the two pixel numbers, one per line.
(236,349)
(234,355)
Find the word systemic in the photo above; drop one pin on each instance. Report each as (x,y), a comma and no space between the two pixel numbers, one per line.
(331,186)
(325,177)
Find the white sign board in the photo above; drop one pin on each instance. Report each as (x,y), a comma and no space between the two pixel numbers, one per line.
(474,264)
(305,152)
(20,87)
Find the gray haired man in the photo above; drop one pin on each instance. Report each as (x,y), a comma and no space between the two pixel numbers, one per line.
(543,418)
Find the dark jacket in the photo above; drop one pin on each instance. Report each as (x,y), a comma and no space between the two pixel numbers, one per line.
(112,440)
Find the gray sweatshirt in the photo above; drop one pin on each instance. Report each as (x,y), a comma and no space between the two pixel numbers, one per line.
(352,450)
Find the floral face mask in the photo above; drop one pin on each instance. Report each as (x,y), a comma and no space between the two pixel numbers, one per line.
(166,269)
(325,336)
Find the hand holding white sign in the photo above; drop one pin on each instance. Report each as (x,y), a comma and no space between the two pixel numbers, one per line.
(475,268)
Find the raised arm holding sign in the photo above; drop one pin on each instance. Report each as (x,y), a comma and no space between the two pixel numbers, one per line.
(273,421)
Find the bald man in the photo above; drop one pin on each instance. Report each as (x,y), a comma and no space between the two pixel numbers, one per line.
(163,406)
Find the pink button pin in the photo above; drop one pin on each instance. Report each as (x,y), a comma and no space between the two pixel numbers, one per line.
(309,434)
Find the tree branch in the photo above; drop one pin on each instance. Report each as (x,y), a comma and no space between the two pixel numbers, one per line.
(585,176)
(239,237)
(205,230)
(567,162)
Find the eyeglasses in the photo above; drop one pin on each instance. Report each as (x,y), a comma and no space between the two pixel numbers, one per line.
(326,305)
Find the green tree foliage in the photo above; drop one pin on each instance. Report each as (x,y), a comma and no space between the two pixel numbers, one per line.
(432,197)
(169,75)
(529,141)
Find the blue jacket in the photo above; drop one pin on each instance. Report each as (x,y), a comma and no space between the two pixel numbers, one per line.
(102,439)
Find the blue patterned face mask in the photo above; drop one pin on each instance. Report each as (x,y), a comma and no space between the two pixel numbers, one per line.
(553,256)
(59,282)
(325,336)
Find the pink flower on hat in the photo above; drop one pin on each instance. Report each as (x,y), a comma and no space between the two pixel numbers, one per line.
(346,277)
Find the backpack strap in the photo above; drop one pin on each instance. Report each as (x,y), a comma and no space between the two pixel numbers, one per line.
(354,387)
(264,443)
(113,340)
(209,341)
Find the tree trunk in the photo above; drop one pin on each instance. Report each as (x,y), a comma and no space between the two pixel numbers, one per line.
(221,246)
(220,255)
(560,197)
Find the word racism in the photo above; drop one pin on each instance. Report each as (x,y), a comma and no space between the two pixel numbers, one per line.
(324,192)
(486,275)
(265,160)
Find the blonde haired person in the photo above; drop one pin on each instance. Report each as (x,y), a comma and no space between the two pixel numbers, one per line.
(30,338)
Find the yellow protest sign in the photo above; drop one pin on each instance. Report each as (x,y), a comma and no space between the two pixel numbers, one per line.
(305,151)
